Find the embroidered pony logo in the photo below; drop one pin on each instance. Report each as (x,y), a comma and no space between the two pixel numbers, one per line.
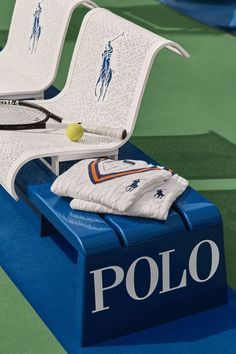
(133,185)
(106,72)
(159,194)
(36,30)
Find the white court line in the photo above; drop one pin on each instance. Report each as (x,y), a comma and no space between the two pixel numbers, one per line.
(153,25)
(213,184)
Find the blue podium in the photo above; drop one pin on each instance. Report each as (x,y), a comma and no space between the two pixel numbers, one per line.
(214,13)
(94,277)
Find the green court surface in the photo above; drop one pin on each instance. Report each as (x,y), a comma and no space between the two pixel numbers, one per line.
(186,121)
(21,331)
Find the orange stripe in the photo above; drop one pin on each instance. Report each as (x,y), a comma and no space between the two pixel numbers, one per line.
(94,171)
(118,174)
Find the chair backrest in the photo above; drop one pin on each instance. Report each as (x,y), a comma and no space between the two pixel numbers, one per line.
(109,70)
(36,37)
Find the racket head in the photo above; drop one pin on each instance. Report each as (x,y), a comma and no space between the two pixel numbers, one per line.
(17,115)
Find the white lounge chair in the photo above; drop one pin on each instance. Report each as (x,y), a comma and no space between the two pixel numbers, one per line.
(106,81)
(29,61)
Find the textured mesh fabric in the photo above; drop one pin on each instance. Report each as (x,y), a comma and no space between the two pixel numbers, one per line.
(105,85)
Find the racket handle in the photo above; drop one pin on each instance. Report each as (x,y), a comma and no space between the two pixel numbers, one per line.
(118,133)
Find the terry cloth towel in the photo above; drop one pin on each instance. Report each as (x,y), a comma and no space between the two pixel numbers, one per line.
(114,184)
(153,204)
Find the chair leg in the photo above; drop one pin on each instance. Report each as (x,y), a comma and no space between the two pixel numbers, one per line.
(113,157)
(54,166)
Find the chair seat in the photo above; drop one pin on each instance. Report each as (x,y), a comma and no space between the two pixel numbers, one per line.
(37,147)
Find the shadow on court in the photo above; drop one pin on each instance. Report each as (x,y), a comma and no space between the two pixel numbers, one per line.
(200,156)
(197,329)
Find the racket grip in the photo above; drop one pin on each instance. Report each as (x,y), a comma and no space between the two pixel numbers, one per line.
(118,133)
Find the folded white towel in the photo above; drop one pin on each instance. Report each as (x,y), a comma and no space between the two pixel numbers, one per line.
(114,184)
(153,204)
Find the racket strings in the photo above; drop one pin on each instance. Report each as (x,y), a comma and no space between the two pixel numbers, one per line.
(10,115)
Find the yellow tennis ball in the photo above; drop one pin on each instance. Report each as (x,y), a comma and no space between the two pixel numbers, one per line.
(74,132)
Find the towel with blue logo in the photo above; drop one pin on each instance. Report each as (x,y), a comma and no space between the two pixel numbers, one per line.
(116,185)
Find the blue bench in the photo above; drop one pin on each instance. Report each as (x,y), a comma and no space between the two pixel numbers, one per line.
(93,277)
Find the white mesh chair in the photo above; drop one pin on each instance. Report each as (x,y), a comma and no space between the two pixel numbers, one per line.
(107,77)
(29,61)
(111,95)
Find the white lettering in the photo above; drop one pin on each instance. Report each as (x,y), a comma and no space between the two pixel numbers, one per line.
(166,274)
(130,278)
(99,288)
(215,258)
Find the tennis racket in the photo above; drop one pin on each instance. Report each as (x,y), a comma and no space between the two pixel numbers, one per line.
(20,115)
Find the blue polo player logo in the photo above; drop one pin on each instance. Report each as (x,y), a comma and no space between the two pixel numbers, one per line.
(159,194)
(106,72)
(36,30)
(133,185)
